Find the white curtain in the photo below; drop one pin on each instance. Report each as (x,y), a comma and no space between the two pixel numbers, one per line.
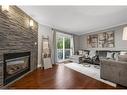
(53,46)
(76,43)
(72,44)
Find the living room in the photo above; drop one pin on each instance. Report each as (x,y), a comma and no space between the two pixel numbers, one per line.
(43,44)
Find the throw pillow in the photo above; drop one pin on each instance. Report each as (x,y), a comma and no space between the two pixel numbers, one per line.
(110,55)
(80,52)
(116,56)
(92,53)
(86,55)
(123,53)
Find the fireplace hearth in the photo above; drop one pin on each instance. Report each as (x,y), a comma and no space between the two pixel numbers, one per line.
(15,65)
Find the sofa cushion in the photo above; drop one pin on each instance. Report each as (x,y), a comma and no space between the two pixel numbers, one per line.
(122,58)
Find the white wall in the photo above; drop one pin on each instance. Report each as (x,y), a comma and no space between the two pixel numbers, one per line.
(119,43)
(43,31)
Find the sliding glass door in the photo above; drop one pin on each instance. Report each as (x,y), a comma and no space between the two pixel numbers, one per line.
(59,48)
(67,47)
(64,46)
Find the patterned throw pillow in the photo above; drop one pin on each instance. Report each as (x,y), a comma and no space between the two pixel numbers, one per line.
(116,56)
(110,55)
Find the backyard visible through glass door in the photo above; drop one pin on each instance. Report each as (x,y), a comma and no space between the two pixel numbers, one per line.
(67,47)
(59,48)
(64,46)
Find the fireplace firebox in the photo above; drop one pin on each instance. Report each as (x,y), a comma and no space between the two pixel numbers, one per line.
(15,65)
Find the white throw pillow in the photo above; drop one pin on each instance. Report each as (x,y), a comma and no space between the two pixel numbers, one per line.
(80,52)
(92,53)
(116,56)
(109,55)
(122,53)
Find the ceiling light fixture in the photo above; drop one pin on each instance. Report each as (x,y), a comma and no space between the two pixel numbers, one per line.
(31,23)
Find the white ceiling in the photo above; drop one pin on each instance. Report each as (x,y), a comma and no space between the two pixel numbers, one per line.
(78,19)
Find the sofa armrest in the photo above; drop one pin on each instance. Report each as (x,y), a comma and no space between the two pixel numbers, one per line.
(109,70)
(115,71)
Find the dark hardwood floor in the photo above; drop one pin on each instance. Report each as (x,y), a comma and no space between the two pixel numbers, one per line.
(59,77)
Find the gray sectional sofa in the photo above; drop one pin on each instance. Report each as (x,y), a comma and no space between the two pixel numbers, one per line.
(115,70)
(113,65)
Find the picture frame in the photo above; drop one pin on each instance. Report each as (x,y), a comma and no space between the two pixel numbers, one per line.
(101,40)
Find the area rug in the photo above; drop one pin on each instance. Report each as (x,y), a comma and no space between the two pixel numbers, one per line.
(88,71)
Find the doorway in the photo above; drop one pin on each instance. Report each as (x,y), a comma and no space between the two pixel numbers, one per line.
(64,44)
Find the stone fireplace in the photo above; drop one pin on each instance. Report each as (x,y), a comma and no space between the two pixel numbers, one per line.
(15,65)
(16,36)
